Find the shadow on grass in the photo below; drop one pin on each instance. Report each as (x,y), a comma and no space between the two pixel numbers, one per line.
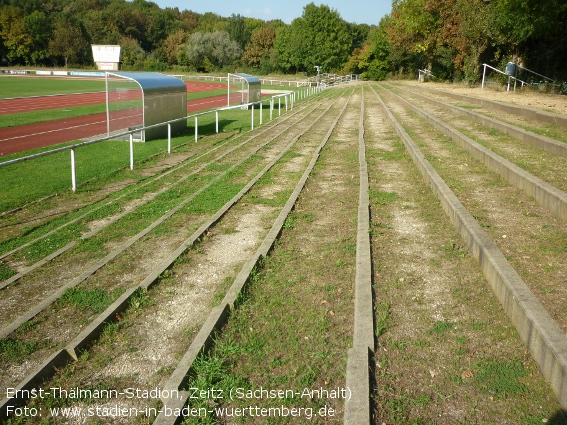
(560,418)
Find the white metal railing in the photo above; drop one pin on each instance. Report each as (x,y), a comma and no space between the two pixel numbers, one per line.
(289,98)
(515,77)
(423,73)
(503,73)
(326,79)
(266,81)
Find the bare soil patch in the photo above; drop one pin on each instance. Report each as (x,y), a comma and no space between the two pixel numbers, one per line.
(545,101)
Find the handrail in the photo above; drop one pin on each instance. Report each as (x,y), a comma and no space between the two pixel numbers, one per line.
(503,73)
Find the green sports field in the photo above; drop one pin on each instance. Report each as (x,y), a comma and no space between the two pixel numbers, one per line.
(96,164)
(23,86)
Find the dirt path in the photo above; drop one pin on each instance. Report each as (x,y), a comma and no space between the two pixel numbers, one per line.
(546,102)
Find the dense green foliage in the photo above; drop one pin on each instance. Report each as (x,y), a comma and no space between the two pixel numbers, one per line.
(60,33)
(451,38)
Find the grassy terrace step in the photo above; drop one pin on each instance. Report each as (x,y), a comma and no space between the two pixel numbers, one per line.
(443,332)
(305,283)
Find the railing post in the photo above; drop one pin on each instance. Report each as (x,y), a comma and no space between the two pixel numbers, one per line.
(252,117)
(261,112)
(131,151)
(73,171)
(279,106)
(271,107)
(196,128)
(217,119)
(169,138)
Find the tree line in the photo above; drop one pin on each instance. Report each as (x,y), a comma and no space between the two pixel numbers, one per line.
(450,38)
(60,33)
(453,38)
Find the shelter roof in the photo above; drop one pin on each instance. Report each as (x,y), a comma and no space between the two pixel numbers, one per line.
(249,78)
(154,82)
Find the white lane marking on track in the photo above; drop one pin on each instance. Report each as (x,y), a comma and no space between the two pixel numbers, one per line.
(62,129)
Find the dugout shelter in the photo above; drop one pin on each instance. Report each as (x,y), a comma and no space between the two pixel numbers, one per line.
(141,99)
(246,88)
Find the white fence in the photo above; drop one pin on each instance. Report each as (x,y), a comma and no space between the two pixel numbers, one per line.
(323,79)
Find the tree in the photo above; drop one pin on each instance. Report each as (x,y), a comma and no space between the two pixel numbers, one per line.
(413,28)
(38,26)
(171,46)
(67,42)
(372,61)
(16,39)
(474,35)
(190,21)
(288,48)
(131,53)
(211,22)
(260,47)
(238,30)
(206,51)
(320,37)
(531,32)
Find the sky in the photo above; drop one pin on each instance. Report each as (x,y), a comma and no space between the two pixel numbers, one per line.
(353,11)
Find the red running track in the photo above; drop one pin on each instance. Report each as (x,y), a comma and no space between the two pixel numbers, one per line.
(27,104)
(25,137)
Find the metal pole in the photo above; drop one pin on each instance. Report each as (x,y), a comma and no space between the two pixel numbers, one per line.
(217,117)
(261,113)
(483,74)
(271,108)
(131,151)
(143,133)
(107,108)
(252,117)
(196,128)
(73,171)
(169,138)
